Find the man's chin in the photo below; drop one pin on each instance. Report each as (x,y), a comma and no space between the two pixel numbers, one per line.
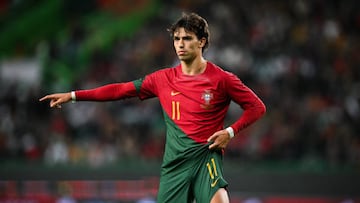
(185,58)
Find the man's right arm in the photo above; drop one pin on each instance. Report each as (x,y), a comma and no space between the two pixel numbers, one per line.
(109,92)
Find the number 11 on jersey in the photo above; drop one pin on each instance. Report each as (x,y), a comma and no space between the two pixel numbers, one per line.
(175,108)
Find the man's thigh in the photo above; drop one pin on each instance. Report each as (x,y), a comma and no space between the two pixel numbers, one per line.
(209,178)
(175,187)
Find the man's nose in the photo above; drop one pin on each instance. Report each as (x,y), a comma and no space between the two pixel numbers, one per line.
(181,43)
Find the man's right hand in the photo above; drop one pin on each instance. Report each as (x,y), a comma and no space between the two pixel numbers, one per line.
(57,99)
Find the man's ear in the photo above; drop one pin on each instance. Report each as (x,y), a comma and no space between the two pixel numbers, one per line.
(202,42)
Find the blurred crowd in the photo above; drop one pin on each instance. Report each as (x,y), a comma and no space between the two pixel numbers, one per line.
(301,57)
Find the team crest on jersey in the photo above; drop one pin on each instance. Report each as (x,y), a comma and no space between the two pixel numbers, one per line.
(207,96)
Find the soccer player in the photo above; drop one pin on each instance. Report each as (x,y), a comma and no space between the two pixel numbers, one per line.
(195,96)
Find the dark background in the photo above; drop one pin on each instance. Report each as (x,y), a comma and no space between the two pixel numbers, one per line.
(301,57)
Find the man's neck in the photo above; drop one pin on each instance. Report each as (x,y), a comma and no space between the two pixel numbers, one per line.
(194,67)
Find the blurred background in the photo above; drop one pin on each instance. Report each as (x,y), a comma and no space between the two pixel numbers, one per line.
(301,57)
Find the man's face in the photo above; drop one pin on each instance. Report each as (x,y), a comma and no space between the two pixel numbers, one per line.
(187,45)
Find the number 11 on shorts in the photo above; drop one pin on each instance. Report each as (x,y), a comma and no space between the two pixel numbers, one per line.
(212,172)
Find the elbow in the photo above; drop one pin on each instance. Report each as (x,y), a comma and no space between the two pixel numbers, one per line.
(262,109)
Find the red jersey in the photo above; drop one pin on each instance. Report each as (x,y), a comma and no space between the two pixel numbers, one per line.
(196,104)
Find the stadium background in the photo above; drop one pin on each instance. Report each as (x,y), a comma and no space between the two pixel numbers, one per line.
(301,57)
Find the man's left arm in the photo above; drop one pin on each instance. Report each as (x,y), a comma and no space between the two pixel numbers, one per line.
(253,109)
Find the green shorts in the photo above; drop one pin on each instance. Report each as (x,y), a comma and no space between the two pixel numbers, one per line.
(197,177)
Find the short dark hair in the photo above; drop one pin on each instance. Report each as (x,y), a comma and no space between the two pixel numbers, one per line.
(192,23)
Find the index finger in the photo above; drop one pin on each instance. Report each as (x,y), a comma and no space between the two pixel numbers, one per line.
(45,97)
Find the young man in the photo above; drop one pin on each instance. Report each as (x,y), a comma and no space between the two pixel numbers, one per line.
(195,96)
